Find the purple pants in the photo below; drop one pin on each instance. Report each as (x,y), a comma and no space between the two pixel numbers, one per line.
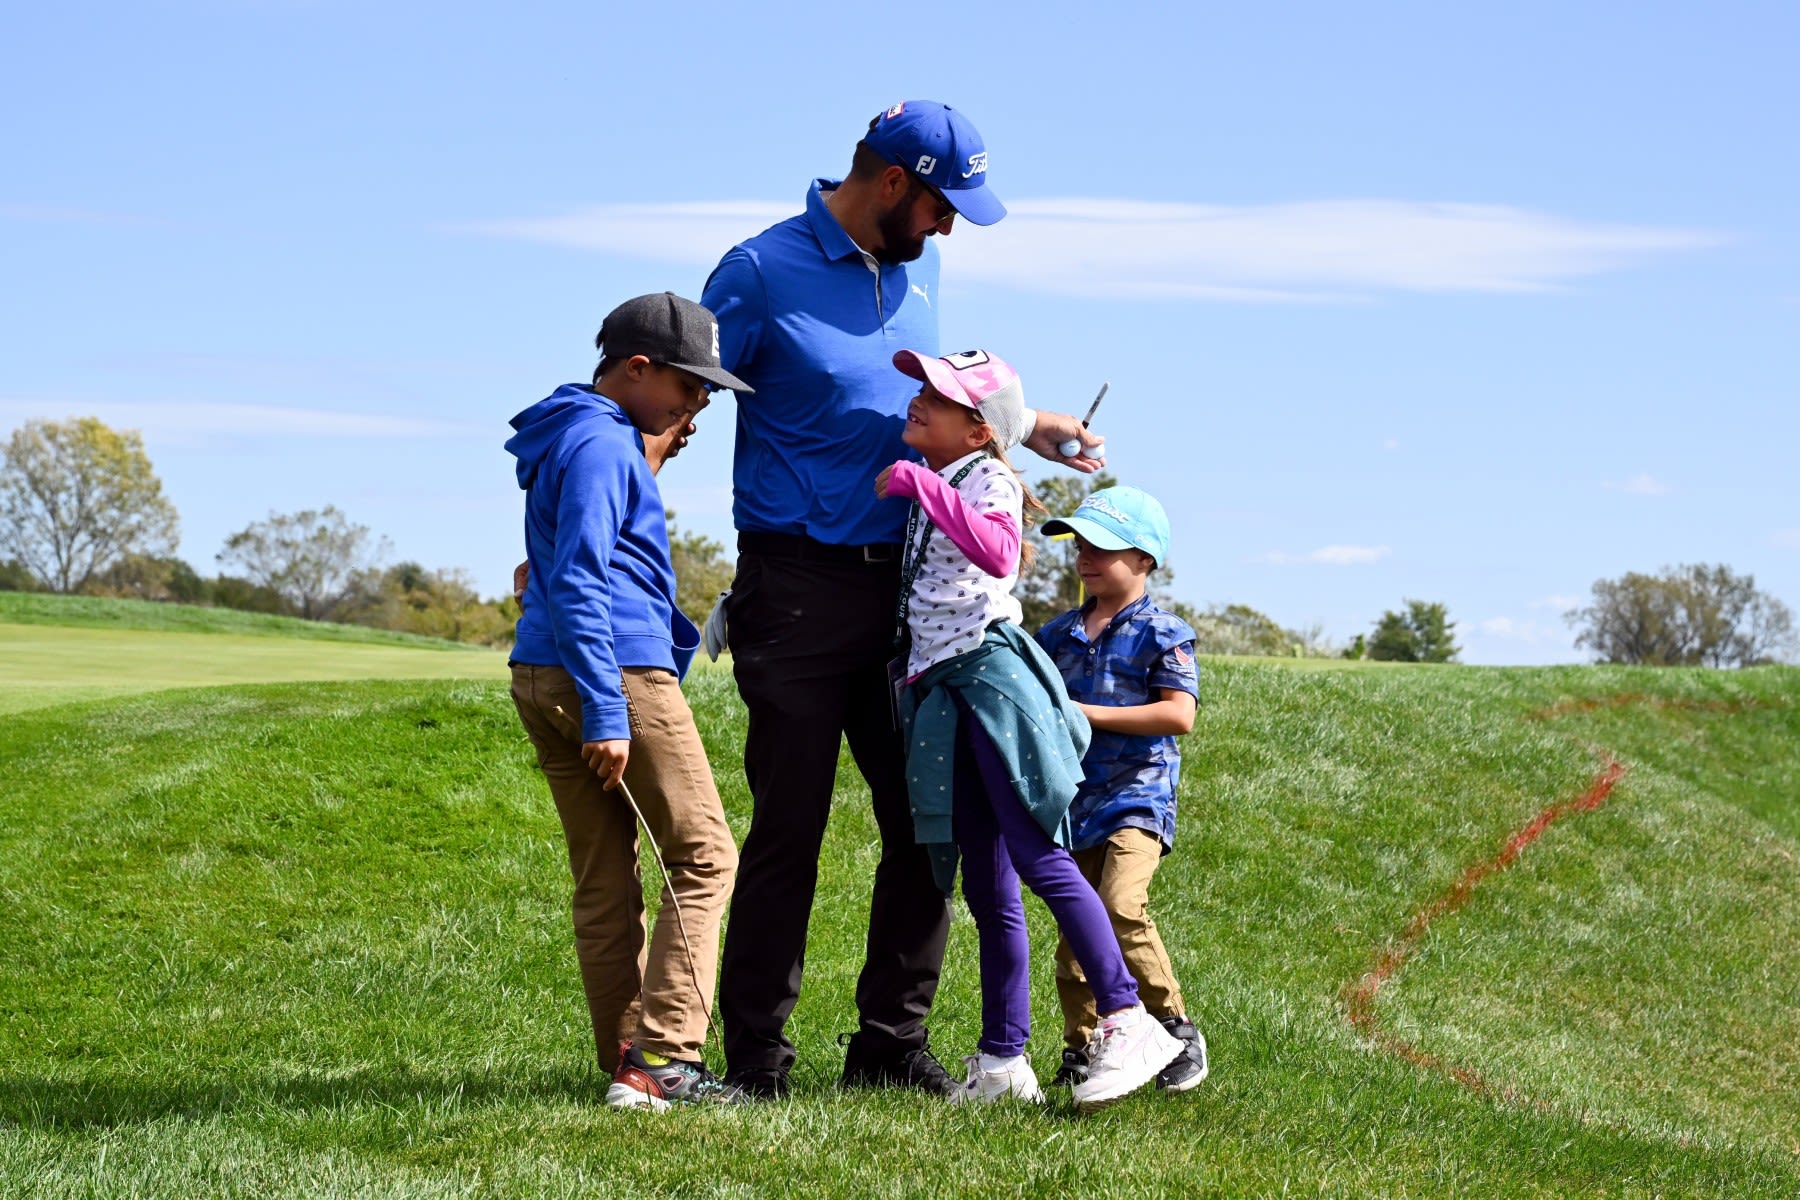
(1001,844)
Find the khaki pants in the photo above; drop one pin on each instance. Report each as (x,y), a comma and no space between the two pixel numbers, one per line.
(660,1000)
(1120,869)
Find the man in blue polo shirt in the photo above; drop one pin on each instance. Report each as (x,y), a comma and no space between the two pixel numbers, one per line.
(810,314)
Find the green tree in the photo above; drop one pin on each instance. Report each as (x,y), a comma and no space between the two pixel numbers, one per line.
(1050,586)
(77,495)
(151,577)
(232,591)
(1692,615)
(1423,633)
(308,558)
(1240,629)
(440,604)
(702,570)
(15,576)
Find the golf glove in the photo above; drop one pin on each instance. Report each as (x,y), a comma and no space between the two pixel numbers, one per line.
(713,637)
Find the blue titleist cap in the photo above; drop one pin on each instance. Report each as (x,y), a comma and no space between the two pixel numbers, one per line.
(1118,518)
(942,147)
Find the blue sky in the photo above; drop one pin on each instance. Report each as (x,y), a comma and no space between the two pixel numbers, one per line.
(1470,303)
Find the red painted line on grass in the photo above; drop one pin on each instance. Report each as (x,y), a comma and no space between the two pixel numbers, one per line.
(1360,996)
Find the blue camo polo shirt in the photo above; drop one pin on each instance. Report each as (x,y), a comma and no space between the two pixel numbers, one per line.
(1129,779)
(812,323)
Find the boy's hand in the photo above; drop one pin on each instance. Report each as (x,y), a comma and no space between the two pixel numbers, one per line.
(664,446)
(521,576)
(607,760)
(881,481)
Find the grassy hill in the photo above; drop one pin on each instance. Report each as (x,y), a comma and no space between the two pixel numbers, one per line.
(311,939)
(56,649)
(96,612)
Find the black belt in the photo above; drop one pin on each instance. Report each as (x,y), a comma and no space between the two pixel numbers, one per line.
(795,545)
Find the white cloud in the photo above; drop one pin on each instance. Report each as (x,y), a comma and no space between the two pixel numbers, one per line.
(1390,444)
(189,423)
(1639,485)
(1788,539)
(1558,603)
(1529,632)
(1328,250)
(1329,556)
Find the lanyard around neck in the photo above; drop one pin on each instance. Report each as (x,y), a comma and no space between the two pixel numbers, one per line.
(912,556)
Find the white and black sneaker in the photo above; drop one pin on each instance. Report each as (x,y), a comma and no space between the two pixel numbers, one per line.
(1190,1067)
(1127,1051)
(1073,1070)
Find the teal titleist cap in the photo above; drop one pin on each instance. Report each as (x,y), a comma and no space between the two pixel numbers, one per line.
(1118,518)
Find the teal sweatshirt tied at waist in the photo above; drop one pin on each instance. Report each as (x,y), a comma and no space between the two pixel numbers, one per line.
(1015,693)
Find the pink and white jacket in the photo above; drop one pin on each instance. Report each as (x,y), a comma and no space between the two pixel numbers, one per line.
(971,554)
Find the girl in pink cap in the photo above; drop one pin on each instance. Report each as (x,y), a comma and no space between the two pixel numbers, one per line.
(993,743)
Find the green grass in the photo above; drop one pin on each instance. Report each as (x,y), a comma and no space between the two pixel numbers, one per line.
(59,649)
(311,939)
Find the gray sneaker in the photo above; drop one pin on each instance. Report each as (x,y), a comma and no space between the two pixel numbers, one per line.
(1128,1050)
(1190,1067)
(640,1083)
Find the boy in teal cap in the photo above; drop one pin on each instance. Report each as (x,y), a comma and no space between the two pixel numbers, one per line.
(1130,667)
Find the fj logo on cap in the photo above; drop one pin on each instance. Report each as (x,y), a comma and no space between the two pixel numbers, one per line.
(927,164)
(715,333)
(977,165)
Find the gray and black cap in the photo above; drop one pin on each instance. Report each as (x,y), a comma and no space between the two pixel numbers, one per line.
(667,329)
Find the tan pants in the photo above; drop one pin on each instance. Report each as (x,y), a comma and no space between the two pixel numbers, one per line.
(1120,869)
(662,1000)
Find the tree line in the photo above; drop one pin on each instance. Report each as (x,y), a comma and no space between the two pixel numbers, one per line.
(81,510)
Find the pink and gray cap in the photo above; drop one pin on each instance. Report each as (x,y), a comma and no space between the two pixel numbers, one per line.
(974,379)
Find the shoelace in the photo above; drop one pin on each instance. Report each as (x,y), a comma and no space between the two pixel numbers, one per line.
(1097,1040)
(922,1062)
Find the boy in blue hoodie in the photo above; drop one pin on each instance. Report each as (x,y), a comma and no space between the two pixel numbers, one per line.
(596,678)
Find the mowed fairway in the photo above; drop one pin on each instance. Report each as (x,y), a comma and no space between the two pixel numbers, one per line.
(43,663)
(311,939)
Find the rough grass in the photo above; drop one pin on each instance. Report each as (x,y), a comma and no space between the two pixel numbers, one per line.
(311,939)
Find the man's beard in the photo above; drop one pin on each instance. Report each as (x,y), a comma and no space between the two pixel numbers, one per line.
(899,244)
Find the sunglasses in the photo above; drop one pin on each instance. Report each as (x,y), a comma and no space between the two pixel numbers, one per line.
(945,209)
